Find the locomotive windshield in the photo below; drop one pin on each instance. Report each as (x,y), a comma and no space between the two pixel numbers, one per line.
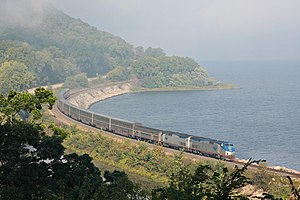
(228,147)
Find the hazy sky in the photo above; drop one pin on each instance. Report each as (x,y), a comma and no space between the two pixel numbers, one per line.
(202,29)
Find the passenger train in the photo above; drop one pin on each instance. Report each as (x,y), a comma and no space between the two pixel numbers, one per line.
(194,144)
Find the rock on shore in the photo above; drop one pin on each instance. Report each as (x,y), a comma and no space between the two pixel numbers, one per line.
(87,98)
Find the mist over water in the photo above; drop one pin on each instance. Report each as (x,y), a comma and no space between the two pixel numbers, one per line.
(261,119)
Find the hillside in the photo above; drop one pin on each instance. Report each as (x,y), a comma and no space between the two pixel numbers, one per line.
(51,46)
(91,50)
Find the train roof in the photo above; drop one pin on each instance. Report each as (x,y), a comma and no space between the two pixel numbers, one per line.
(118,119)
(149,128)
(62,97)
(182,135)
(198,138)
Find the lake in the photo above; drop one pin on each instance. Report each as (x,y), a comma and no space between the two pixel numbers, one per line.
(262,118)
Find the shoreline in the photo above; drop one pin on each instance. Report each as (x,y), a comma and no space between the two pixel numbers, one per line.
(86,98)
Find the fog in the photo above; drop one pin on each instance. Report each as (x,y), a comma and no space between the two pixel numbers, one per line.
(22,12)
(202,29)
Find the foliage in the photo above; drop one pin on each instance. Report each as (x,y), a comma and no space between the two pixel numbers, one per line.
(118,186)
(77,81)
(139,52)
(50,65)
(164,71)
(118,74)
(33,164)
(154,52)
(91,50)
(205,183)
(275,185)
(20,105)
(139,159)
(34,67)
(15,75)
(187,179)
(295,191)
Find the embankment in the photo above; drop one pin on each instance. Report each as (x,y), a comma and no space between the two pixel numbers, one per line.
(86,98)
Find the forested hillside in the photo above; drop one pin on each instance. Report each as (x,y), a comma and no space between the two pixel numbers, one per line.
(55,46)
(91,50)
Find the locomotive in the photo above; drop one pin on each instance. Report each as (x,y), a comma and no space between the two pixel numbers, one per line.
(194,144)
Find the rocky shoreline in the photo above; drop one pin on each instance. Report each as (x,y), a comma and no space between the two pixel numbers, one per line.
(87,98)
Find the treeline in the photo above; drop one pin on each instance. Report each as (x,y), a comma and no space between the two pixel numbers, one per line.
(91,50)
(153,69)
(23,67)
(56,46)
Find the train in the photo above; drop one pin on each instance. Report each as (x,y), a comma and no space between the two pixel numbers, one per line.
(181,141)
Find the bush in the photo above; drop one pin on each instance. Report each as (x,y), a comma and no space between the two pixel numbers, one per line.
(77,81)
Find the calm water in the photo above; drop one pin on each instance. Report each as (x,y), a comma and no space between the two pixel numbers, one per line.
(262,118)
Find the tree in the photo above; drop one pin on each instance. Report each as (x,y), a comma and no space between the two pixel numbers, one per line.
(170,71)
(16,103)
(77,81)
(205,183)
(15,76)
(117,186)
(118,74)
(33,164)
(50,66)
(154,52)
(139,52)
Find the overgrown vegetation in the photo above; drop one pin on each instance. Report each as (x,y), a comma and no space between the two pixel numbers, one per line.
(173,175)
(77,81)
(32,160)
(23,67)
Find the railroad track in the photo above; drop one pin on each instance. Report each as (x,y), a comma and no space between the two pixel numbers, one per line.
(60,117)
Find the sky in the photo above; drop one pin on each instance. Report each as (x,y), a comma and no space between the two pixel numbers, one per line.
(203,29)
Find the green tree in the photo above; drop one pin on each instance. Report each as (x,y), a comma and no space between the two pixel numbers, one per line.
(15,76)
(117,186)
(154,52)
(139,52)
(166,71)
(205,183)
(77,81)
(50,66)
(118,74)
(17,103)
(33,164)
